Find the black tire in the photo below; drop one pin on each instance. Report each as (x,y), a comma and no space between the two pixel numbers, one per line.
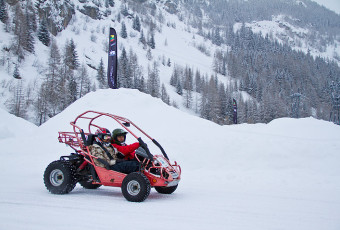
(59,177)
(166,190)
(88,184)
(136,187)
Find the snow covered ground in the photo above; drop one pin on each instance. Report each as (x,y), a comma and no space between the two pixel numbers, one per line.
(283,175)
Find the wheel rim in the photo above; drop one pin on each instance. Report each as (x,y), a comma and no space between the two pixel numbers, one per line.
(56,177)
(133,188)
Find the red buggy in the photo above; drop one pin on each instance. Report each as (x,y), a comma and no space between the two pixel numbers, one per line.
(156,171)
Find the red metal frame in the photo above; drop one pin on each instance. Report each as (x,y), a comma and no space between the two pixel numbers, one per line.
(170,174)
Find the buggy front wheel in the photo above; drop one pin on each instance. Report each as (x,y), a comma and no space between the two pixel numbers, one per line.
(136,187)
(59,177)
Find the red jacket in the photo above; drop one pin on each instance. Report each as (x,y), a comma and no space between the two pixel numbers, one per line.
(127,150)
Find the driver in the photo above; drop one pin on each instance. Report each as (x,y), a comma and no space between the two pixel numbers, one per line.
(107,155)
(125,151)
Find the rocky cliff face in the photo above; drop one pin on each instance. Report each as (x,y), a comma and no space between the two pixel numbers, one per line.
(57,14)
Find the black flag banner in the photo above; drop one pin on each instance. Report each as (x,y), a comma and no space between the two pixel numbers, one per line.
(112,65)
(235,111)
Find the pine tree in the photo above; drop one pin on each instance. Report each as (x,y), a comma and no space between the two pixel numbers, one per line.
(188,86)
(72,89)
(16,73)
(125,78)
(53,83)
(71,57)
(123,32)
(175,76)
(101,75)
(149,55)
(151,41)
(3,11)
(16,104)
(164,95)
(135,70)
(40,106)
(54,64)
(136,24)
(111,3)
(198,82)
(179,88)
(19,26)
(153,84)
(124,10)
(142,39)
(141,85)
(169,63)
(216,38)
(222,100)
(83,81)
(43,34)
(28,33)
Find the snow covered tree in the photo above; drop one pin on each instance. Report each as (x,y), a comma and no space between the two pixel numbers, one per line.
(179,88)
(149,54)
(18,23)
(151,41)
(16,73)
(153,84)
(83,81)
(17,104)
(188,100)
(101,75)
(123,32)
(216,37)
(52,87)
(136,24)
(175,75)
(124,79)
(169,63)
(198,82)
(43,34)
(71,55)
(3,11)
(142,39)
(29,27)
(72,89)
(135,69)
(164,95)
(188,86)
(40,106)
(54,64)
(124,10)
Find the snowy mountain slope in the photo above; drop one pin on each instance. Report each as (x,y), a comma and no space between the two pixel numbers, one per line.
(91,39)
(330,4)
(283,175)
(285,33)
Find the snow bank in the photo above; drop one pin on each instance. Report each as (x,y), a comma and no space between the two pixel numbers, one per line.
(12,126)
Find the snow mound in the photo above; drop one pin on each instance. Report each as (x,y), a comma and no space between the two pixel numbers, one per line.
(12,126)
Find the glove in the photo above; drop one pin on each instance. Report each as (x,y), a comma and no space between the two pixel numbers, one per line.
(120,155)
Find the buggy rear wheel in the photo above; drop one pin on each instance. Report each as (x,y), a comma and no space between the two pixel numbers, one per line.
(136,187)
(166,190)
(59,177)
